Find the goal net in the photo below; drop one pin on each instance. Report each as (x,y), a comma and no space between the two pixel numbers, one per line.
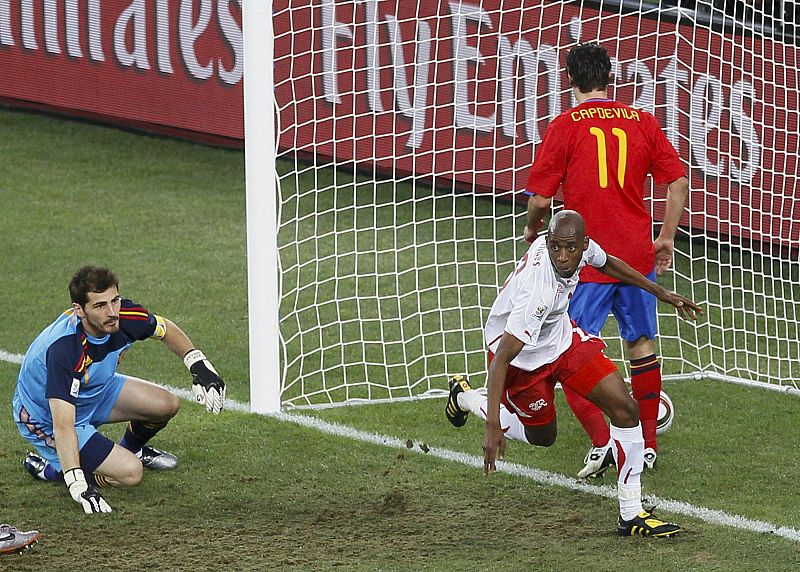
(405,132)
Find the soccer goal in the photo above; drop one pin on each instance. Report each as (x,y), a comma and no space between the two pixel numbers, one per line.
(387,146)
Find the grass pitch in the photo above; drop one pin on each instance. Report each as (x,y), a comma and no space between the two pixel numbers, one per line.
(255,493)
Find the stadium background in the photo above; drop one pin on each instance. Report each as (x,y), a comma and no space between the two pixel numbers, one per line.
(260,493)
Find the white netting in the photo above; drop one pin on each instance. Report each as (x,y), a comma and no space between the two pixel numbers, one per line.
(406,131)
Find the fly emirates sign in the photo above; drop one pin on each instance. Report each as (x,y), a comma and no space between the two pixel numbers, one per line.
(499,81)
(140,59)
(465,90)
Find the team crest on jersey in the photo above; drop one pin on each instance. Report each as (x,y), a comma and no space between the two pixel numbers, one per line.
(87,361)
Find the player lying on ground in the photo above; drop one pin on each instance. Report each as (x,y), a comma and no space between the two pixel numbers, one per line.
(533,344)
(68,386)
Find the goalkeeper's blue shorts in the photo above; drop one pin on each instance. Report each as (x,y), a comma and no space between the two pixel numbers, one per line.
(39,432)
(634,308)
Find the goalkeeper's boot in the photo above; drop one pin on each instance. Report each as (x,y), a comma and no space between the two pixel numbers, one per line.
(650,457)
(157,460)
(646,524)
(13,540)
(596,461)
(36,466)
(456,415)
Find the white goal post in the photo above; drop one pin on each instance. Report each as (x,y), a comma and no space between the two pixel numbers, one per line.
(263,277)
(387,145)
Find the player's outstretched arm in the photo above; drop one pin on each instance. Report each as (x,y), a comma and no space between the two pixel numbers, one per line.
(687,309)
(620,270)
(207,385)
(494,441)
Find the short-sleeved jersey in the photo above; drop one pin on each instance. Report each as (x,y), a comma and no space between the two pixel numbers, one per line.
(600,153)
(65,362)
(532,306)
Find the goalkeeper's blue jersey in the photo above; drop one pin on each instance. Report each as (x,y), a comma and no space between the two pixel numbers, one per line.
(64,362)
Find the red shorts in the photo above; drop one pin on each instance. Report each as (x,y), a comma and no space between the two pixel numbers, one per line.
(529,394)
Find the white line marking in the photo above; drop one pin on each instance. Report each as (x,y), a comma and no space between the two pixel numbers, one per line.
(543,477)
(11,358)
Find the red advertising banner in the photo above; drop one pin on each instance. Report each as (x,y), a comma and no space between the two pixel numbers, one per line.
(464,91)
(459,91)
(163,65)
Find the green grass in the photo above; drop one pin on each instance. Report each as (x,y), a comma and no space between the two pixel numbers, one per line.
(254,493)
(167,216)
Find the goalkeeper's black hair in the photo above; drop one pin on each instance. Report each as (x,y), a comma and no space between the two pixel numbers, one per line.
(589,67)
(90,279)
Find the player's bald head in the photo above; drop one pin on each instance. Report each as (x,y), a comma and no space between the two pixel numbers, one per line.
(567,223)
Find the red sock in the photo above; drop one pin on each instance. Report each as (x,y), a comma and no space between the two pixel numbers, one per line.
(590,417)
(646,383)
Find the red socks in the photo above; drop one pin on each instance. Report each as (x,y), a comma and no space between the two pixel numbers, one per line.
(590,416)
(646,383)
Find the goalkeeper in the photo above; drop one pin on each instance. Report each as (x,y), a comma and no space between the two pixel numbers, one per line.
(68,386)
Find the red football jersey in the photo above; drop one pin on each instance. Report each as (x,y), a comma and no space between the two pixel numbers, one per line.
(600,152)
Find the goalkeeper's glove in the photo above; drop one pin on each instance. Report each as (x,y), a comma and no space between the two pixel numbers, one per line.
(83,493)
(207,385)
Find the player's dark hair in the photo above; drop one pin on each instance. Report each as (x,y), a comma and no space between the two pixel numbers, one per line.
(90,279)
(589,67)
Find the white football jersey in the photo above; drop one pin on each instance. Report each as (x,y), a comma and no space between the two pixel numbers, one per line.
(532,306)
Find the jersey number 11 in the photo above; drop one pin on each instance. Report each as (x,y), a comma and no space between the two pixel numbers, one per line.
(602,161)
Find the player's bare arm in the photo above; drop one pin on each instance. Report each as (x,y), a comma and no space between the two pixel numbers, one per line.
(538,207)
(176,340)
(616,268)
(494,442)
(677,192)
(64,432)
(63,414)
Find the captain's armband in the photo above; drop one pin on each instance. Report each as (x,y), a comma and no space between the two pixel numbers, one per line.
(161,328)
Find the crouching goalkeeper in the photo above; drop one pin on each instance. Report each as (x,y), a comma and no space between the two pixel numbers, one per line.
(68,386)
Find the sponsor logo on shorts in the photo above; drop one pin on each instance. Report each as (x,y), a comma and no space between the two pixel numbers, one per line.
(538,404)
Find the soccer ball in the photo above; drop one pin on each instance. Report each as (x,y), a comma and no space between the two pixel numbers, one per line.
(666,414)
